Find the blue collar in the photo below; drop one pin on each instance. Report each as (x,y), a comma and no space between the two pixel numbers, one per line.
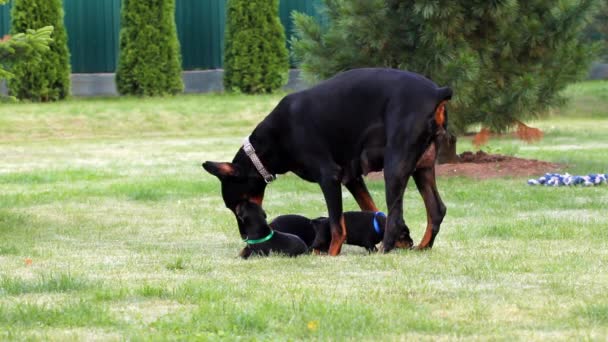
(376,223)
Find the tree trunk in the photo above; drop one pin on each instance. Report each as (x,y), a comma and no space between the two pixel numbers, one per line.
(446,149)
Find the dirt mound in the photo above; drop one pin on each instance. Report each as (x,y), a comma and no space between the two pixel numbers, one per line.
(481,165)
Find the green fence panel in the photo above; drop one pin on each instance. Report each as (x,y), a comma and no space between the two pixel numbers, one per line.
(93,28)
(200,27)
(5,19)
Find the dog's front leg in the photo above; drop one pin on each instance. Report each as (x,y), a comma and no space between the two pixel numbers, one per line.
(246,252)
(397,171)
(332,191)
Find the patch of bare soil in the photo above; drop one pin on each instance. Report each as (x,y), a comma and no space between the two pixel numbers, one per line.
(480,165)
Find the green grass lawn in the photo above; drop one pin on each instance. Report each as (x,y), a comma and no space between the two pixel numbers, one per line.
(111,230)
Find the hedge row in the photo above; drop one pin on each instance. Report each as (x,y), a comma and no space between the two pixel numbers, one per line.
(256,58)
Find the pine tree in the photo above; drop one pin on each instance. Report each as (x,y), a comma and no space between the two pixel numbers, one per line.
(255,55)
(507,61)
(46,78)
(597,30)
(23,47)
(149,61)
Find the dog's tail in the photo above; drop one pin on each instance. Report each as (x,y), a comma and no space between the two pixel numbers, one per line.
(444,93)
(441,116)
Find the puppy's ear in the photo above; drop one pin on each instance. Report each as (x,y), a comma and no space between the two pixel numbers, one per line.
(222,170)
(240,212)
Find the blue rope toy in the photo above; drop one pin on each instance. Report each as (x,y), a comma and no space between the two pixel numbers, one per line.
(556,179)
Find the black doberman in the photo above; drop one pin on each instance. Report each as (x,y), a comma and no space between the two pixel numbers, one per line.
(261,239)
(365,229)
(326,134)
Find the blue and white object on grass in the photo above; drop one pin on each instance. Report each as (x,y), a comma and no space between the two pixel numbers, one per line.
(556,179)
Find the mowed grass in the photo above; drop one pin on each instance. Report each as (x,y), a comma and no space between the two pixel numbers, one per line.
(111,230)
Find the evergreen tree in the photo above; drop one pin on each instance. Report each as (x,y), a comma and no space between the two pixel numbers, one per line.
(149,63)
(597,30)
(255,55)
(46,78)
(506,60)
(23,47)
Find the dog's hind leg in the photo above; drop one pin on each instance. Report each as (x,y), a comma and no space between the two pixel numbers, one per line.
(435,209)
(359,191)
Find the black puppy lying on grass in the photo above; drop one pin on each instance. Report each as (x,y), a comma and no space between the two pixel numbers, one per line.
(261,239)
(298,225)
(364,228)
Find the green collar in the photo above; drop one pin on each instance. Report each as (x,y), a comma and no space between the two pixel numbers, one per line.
(264,239)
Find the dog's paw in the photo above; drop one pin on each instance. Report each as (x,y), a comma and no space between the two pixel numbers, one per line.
(420,248)
(245,252)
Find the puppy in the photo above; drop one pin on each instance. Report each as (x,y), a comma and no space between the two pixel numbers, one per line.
(363,228)
(260,238)
(298,225)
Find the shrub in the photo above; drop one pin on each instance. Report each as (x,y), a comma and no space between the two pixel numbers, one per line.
(149,63)
(46,78)
(256,58)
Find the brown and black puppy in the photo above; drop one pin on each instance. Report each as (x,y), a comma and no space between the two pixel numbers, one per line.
(364,228)
(298,225)
(260,238)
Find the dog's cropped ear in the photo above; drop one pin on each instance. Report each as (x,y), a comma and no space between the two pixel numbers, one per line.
(222,170)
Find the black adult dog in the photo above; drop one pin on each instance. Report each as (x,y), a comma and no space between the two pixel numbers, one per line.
(261,239)
(358,121)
